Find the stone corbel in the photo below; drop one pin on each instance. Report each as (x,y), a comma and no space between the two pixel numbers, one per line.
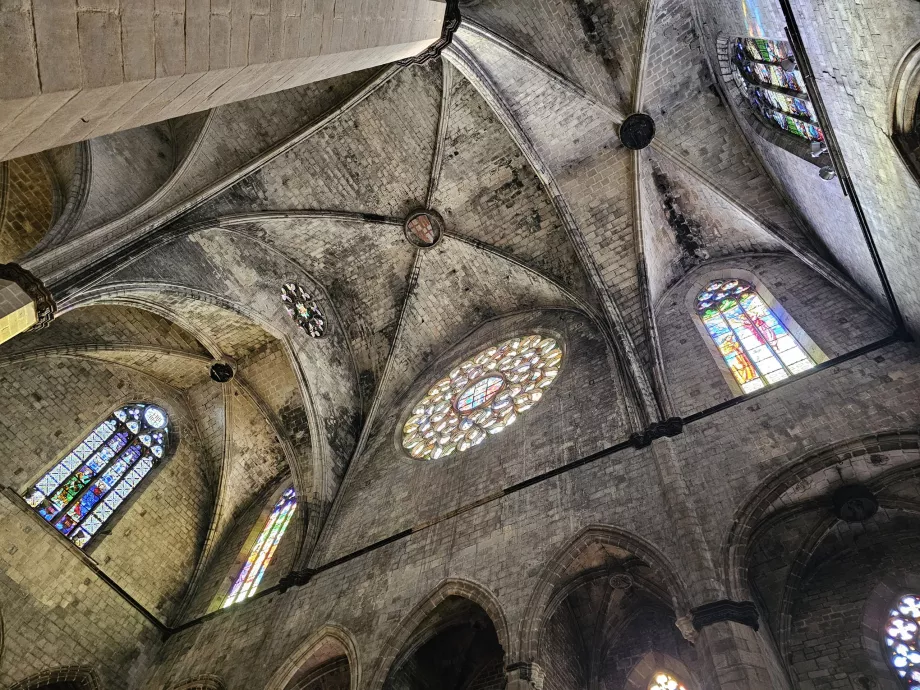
(45,306)
(669,427)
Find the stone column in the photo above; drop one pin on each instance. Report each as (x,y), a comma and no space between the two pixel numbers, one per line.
(72,71)
(24,302)
(524,675)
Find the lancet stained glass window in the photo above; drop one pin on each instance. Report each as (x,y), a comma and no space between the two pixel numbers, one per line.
(756,346)
(253,570)
(482,396)
(767,75)
(901,639)
(665,681)
(80,493)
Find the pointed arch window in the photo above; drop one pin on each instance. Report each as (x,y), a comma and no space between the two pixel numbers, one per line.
(755,345)
(253,570)
(81,492)
(766,73)
(901,640)
(665,681)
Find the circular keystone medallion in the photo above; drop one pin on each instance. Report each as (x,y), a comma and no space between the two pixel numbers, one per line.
(423,228)
(854,503)
(221,372)
(637,131)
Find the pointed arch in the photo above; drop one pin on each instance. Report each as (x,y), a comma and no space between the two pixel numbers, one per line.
(329,633)
(554,576)
(738,541)
(409,626)
(76,677)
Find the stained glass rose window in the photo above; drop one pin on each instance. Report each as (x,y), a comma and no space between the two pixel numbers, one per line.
(303,309)
(901,638)
(482,396)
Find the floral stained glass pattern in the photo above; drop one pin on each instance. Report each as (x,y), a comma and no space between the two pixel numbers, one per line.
(665,681)
(767,75)
(247,582)
(756,346)
(82,491)
(303,309)
(482,396)
(901,638)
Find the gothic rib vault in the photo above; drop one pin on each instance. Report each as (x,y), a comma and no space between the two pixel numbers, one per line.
(171,243)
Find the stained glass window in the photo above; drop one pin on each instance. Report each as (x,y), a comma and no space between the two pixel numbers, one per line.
(80,493)
(756,346)
(253,570)
(901,639)
(482,396)
(303,309)
(767,75)
(665,681)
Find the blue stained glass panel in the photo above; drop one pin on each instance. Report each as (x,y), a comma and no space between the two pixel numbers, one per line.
(94,478)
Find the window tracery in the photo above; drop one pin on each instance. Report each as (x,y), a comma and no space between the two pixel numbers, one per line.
(766,73)
(665,681)
(482,396)
(901,640)
(82,491)
(301,307)
(260,556)
(755,345)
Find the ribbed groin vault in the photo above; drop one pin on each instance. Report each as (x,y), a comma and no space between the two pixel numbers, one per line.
(478,345)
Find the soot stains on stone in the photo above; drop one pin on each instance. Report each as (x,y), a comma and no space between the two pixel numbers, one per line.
(294,421)
(594,17)
(342,431)
(687,231)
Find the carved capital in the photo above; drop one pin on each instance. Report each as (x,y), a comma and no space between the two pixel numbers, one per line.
(45,306)
(524,675)
(451,24)
(669,427)
(743,612)
(685,625)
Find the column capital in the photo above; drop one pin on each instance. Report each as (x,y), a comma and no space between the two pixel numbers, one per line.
(45,305)
(524,675)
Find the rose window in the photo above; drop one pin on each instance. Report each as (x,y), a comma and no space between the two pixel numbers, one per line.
(482,396)
(901,638)
(303,309)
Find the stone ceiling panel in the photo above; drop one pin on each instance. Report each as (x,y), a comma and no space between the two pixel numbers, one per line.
(374,158)
(594,43)
(488,192)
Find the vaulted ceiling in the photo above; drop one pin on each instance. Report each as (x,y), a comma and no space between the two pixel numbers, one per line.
(175,238)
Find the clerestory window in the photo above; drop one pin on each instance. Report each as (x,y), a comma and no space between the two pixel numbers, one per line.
(261,553)
(755,345)
(767,74)
(81,492)
(665,681)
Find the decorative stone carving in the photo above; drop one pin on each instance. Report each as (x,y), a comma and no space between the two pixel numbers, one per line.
(221,372)
(451,24)
(743,612)
(685,625)
(45,305)
(423,228)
